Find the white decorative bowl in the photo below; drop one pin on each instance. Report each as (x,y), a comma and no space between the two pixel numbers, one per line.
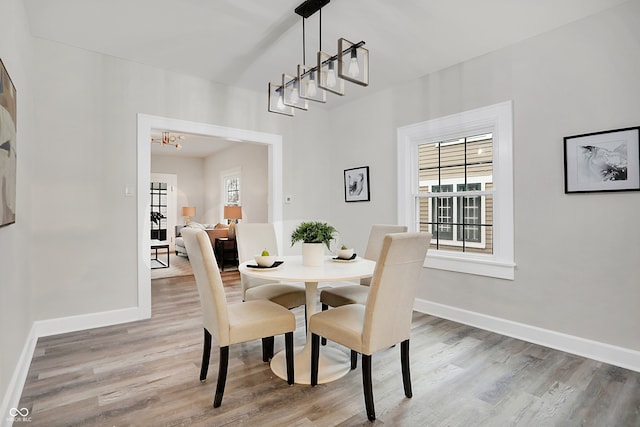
(265,261)
(345,253)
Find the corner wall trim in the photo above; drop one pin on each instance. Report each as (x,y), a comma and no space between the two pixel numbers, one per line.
(16,384)
(602,352)
(43,328)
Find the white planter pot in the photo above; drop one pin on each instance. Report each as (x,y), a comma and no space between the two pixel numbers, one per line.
(313,254)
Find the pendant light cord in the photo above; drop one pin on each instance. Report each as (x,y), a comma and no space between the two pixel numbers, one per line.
(320,35)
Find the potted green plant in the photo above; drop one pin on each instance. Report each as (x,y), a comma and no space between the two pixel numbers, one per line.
(156,217)
(313,235)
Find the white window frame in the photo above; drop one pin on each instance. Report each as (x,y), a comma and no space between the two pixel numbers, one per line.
(498,120)
(226,176)
(482,180)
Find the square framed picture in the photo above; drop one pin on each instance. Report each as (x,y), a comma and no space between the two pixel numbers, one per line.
(356,184)
(602,161)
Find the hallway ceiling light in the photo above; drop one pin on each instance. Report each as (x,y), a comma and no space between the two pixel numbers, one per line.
(327,75)
(168,139)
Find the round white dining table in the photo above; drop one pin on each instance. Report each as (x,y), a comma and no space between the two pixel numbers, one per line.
(333,363)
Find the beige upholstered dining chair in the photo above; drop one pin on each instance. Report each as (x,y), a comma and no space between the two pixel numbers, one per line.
(252,239)
(357,294)
(233,323)
(385,320)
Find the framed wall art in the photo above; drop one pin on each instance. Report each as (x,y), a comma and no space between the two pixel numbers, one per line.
(602,161)
(356,184)
(8,124)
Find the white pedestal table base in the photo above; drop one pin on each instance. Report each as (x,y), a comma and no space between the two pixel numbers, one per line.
(332,365)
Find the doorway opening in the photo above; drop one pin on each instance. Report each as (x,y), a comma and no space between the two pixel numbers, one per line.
(145,124)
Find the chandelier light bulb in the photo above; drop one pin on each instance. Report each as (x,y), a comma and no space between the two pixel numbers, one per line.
(331,76)
(280,104)
(293,98)
(354,68)
(311,86)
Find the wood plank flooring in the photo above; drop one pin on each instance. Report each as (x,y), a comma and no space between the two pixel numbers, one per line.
(146,374)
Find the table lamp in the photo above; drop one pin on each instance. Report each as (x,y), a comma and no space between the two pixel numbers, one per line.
(188,211)
(232,213)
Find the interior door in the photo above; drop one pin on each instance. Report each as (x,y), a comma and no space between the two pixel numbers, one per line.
(164,200)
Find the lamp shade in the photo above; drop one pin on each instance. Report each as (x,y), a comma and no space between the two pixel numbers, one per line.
(188,211)
(232,212)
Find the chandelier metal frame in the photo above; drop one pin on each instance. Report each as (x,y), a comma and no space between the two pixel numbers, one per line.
(311,83)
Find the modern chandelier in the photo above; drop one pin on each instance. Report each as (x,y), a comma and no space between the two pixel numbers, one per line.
(168,139)
(328,74)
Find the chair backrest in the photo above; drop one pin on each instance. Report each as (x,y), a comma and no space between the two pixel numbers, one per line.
(393,287)
(251,240)
(374,244)
(213,300)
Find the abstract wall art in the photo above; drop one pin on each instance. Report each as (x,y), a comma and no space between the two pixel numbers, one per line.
(8,125)
(602,161)
(356,184)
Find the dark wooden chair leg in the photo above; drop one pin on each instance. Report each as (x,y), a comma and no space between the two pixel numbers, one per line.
(354,359)
(267,348)
(325,307)
(406,373)
(206,354)
(368,387)
(288,345)
(222,376)
(315,355)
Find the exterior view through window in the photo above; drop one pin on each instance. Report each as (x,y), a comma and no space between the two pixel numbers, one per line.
(455,193)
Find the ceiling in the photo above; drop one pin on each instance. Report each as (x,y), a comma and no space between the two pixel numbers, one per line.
(247,43)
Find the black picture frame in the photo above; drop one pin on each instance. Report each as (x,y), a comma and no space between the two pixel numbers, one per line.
(602,161)
(8,162)
(356,184)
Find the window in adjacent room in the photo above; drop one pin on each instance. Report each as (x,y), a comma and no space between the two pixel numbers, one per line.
(231,187)
(455,180)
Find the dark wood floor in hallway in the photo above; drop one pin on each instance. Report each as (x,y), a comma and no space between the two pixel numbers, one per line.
(146,374)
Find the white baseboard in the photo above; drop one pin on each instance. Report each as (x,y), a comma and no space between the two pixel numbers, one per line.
(14,390)
(43,328)
(607,353)
(62,325)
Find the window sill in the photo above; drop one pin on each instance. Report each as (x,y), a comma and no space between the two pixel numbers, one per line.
(470,264)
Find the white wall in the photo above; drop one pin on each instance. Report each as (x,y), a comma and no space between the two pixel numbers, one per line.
(577,255)
(251,160)
(191,186)
(16,242)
